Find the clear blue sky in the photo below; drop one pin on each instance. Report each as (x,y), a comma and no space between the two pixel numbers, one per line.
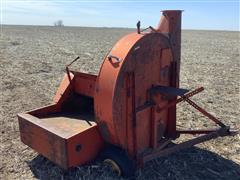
(201,14)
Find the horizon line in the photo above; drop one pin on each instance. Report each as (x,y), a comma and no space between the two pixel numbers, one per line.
(111,27)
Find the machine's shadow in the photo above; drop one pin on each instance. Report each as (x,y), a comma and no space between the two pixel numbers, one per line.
(193,163)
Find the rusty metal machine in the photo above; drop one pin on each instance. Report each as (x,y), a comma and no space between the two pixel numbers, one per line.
(127,113)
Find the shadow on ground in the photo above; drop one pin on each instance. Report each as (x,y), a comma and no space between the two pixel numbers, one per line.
(193,163)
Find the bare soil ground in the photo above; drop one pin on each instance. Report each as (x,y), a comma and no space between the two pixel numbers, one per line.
(32,62)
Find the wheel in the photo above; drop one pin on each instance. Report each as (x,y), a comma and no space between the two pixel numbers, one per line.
(119,161)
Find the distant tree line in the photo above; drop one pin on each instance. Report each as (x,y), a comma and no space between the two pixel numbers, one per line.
(58,23)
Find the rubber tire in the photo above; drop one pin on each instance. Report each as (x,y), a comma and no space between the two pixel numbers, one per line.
(121,158)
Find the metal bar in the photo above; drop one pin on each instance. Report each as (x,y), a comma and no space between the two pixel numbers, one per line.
(149,27)
(153,131)
(67,68)
(145,106)
(73,61)
(187,144)
(232,132)
(134,118)
(149,103)
(192,93)
(163,145)
(205,112)
(131,114)
(68,74)
(199,131)
(168,90)
(196,91)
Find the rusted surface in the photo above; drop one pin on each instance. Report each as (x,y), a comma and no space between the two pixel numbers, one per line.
(142,55)
(63,90)
(53,108)
(81,83)
(42,140)
(90,142)
(136,63)
(105,87)
(130,128)
(84,84)
(58,136)
(170,24)
(118,106)
(150,57)
(67,124)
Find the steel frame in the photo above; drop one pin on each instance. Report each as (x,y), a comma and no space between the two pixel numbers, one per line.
(164,150)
